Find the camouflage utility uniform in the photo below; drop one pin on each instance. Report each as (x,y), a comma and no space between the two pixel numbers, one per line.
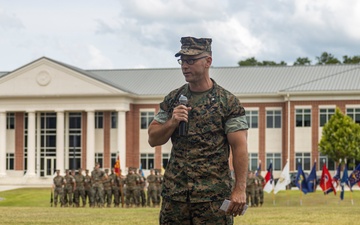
(97,185)
(80,189)
(151,190)
(69,190)
(198,171)
(107,183)
(131,181)
(58,190)
(89,195)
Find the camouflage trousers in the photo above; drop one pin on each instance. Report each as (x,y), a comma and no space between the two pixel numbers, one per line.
(98,192)
(151,195)
(79,192)
(174,212)
(68,196)
(250,196)
(116,193)
(58,193)
(89,195)
(108,196)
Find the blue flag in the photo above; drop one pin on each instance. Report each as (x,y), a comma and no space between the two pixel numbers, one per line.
(344,180)
(141,171)
(301,180)
(336,177)
(258,169)
(354,176)
(311,180)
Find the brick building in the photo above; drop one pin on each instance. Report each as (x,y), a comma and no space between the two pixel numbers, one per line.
(57,116)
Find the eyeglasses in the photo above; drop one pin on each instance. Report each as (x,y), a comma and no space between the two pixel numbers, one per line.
(190,61)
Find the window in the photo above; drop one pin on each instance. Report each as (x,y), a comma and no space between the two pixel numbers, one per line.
(303,117)
(253,161)
(10,161)
(330,164)
(147,161)
(165,159)
(114,119)
(74,137)
(113,159)
(275,158)
(273,119)
(99,158)
(146,118)
(10,121)
(252,118)
(99,118)
(325,115)
(304,159)
(354,113)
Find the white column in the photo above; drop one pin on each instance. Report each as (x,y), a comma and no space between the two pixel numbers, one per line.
(3,144)
(121,138)
(31,145)
(90,141)
(60,128)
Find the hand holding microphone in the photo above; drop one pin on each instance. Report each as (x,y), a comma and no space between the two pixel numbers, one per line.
(182,126)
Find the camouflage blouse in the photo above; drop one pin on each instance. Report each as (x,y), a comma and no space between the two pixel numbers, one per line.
(198,169)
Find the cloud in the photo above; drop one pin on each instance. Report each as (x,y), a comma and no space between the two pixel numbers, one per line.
(9,21)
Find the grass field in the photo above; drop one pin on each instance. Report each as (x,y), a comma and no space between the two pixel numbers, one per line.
(32,206)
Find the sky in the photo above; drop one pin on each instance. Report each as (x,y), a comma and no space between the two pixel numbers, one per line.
(129,34)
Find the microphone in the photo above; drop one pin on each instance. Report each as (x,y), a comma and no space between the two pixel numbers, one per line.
(182,127)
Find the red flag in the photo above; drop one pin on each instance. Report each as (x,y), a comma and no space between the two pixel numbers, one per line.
(117,166)
(326,181)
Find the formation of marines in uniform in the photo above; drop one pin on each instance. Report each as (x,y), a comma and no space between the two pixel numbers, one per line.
(103,189)
(254,189)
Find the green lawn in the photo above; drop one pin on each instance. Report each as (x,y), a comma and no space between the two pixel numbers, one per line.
(32,206)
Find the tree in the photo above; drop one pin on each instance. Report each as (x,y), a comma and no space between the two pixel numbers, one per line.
(249,62)
(351,60)
(340,138)
(327,58)
(302,61)
(253,62)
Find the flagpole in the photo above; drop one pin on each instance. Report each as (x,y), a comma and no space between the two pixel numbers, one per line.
(325,186)
(300,186)
(351,195)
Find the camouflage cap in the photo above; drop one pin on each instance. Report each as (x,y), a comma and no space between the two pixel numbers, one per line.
(194,46)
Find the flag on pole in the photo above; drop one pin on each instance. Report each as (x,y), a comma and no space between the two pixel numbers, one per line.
(269,180)
(258,169)
(354,176)
(336,177)
(140,170)
(117,166)
(326,181)
(301,180)
(284,179)
(311,180)
(344,180)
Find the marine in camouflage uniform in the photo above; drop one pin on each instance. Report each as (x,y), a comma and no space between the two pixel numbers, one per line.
(69,189)
(260,189)
(97,185)
(107,182)
(197,177)
(141,189)
(89,195)
(80,189)
(151,190)
(250,189)
(115,187)
(130,181)
(158,186)
(58,185)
